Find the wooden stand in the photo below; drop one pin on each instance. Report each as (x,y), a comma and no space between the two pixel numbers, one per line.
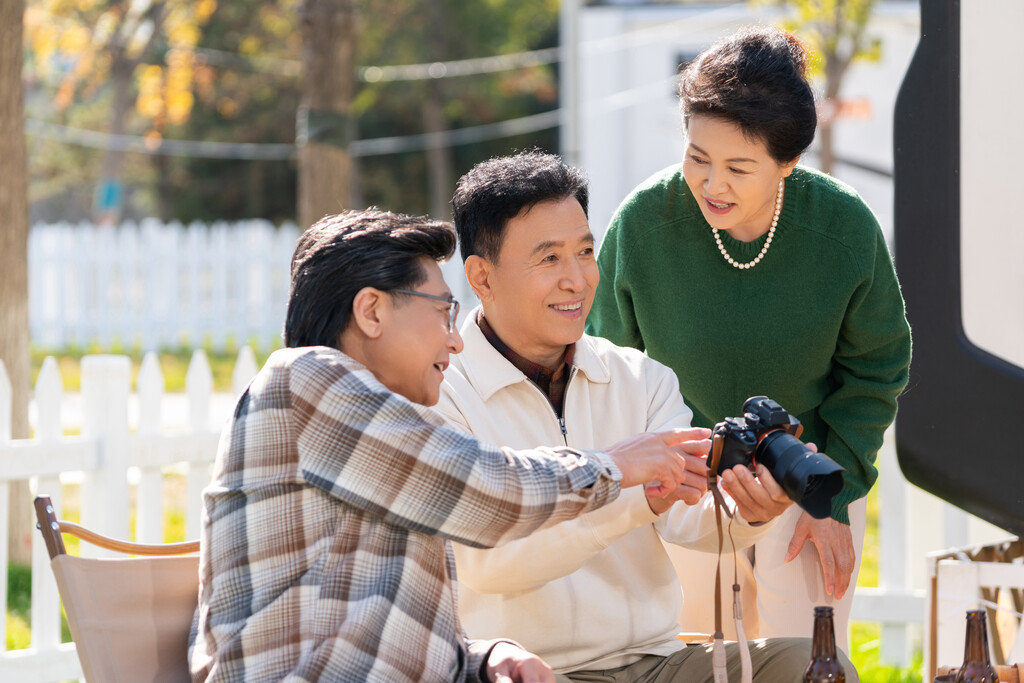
(989,577)
(1007,674)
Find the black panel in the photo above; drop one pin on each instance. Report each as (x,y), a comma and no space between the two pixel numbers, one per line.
(960,429)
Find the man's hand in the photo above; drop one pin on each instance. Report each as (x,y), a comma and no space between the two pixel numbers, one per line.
(695,485)
(757,499)
(834,543)
(658,457)
(508,663)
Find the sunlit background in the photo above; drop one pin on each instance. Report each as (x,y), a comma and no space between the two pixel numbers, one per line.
(176,148)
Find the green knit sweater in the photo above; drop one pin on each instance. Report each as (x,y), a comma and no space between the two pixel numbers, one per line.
(818,325)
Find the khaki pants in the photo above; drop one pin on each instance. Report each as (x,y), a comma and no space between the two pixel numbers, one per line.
(775,660)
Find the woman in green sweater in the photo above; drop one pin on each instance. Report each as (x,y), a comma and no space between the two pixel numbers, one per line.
(749,275)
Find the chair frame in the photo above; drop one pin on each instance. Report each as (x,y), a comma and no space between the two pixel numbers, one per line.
(53,530)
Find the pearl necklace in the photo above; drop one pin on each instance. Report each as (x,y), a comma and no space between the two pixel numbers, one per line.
(767,242)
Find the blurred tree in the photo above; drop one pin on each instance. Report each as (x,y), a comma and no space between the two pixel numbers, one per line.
(96,46)
(246,86)
(415,32)
(247,89)
(324,125)
(837,32)
(14,338)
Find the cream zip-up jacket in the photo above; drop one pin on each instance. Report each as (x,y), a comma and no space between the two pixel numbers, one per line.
(598,591)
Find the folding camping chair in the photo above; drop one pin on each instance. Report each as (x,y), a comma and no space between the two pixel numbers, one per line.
(129,617)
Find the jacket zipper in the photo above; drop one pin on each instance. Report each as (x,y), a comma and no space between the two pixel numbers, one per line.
(561,420)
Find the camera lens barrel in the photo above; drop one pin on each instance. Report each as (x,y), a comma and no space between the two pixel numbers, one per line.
(810,479)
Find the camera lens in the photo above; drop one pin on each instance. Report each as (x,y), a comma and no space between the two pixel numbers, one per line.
(810,479)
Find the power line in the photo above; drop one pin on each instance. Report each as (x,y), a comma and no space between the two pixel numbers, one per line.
(460,67)
(385,74)
(459,136)
(281,151)
(673,30)
(143,145)
(368,74)
(393,144)
(358,148)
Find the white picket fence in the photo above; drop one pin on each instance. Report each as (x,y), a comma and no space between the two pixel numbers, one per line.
(155,285)
(126,441)
(109,458)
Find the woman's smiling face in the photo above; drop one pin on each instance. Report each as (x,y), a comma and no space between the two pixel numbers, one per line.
(733,178)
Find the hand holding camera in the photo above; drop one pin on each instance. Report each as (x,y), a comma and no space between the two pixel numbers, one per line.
(765,441)
(757,495)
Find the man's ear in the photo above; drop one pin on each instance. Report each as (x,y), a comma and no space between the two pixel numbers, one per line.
(371,309)
(478,273)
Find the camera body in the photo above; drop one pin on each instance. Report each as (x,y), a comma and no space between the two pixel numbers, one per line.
(768,434)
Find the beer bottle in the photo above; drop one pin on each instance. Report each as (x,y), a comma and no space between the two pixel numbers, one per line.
(977,667)
(824,664)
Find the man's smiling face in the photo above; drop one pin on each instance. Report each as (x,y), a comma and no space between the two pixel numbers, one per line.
(543,284)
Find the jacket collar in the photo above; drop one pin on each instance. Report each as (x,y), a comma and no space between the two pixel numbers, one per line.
(488,371)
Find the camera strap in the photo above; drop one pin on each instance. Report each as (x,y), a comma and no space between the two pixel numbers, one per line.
(718,659)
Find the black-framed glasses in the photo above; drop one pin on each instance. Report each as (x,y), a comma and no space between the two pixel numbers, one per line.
(453,311)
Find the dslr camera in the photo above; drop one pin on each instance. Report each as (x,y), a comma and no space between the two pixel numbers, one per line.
(767,434)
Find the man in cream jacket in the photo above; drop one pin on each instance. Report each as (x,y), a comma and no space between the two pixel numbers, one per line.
(597,597)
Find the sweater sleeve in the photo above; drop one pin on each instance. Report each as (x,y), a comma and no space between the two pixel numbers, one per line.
(380,453)
(612,315)
(870,368)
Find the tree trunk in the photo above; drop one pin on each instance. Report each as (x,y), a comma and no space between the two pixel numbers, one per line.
(14,337)
(256,202)
(328,63)
(439,157)
(165,191)
(826,148)
(835,69)
(440,165)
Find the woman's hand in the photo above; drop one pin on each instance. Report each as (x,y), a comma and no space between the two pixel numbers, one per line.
(509,663)
(834,543)
(758,499)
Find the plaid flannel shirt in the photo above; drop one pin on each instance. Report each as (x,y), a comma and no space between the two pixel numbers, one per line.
(324,548)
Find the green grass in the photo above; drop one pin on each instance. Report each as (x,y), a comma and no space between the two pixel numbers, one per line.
(19,601)
(865,638)
(173,363)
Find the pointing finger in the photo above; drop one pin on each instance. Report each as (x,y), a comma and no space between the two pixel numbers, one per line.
(674,437)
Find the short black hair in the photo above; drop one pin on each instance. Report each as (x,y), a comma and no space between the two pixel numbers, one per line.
(755,78)
(499,189)
(340,255)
